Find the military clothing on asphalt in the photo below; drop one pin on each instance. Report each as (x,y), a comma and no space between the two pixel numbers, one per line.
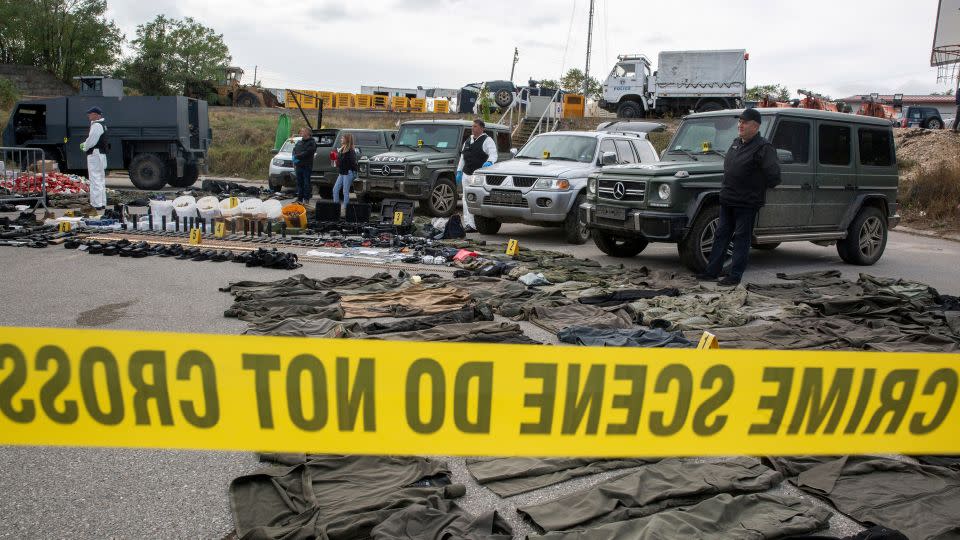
(651,489)
(755,516)
(921,501)
(511,476)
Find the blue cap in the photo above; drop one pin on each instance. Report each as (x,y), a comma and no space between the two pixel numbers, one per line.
(97,110)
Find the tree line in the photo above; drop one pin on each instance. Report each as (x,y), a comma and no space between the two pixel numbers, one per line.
(68,38)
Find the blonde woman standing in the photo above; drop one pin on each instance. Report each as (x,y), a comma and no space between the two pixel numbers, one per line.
(347,170)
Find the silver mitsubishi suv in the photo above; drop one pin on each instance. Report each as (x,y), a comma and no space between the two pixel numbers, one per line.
(546,181)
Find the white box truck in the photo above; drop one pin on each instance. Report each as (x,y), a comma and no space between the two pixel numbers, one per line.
(685,82)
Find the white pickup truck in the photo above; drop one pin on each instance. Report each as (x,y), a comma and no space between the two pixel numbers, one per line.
(685,82)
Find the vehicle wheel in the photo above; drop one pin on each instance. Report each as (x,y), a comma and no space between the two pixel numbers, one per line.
(866,238)
(190,175)
(275,184)
(629,109)
(934,123)
(618,247)
(148,172)
(443,198)
(247,99)
(695,248)
(486,225)
(710,106)
(576,231)
(503,98)
(325,192)
(766,247)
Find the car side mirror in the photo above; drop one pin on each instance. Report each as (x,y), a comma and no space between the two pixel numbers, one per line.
(359,151)
(513,151)
(274,150)
(784,156)
(608,158)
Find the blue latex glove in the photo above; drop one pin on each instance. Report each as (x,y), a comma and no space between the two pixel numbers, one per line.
(295,161)
(486,164)
(459,177)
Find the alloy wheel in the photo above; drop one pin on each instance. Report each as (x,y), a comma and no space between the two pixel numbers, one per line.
(871,236)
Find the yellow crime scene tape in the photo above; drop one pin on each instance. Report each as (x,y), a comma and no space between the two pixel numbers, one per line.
(218,392)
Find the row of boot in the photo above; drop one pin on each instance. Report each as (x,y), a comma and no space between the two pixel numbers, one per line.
(138,250)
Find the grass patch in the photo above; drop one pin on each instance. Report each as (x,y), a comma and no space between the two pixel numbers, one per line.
(933,193)
(660,140)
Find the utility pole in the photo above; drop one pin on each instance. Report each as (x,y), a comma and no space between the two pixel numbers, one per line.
(516,58)
(255,74)
(586,71)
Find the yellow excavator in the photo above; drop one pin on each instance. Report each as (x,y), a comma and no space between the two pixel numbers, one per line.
(231,92)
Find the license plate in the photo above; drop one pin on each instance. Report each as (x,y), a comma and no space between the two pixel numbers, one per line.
(611,212)
(505,197)
(381,183)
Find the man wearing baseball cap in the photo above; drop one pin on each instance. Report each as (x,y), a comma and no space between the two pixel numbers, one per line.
(96,149)
(750,167)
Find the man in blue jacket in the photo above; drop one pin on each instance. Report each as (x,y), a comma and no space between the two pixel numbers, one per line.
(750,167)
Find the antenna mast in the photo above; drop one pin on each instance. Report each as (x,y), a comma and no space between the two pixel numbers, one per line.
(586,71)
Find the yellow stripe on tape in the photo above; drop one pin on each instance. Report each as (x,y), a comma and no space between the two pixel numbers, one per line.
(143,389)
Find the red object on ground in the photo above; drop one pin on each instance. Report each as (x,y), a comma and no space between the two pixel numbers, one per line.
(57,184)
(463,254)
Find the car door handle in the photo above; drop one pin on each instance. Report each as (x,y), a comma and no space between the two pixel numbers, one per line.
(806,186)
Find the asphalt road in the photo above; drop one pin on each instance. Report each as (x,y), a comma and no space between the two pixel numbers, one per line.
(97,493)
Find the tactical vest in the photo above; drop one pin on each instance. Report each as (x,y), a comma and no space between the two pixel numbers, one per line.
(473,154)
(102,143)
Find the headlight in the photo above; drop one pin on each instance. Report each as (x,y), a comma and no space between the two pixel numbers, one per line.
(278,162)
(476,180)
(592,186)
(415,170)
(363,168)
(664,191)
(558,184)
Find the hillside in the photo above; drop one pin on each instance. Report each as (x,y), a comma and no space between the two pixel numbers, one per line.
(243,138)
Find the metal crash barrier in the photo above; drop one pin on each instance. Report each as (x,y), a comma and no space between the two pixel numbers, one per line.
(23,176)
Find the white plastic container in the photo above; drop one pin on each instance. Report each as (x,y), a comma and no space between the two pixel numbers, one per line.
(185,206)
(252,208)
(228,212)
(272,208)
(208,207)
(161,209)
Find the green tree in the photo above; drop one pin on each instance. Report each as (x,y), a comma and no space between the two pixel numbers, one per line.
(484,103)
(8,95)
(65,37)
(777,91)
(574,80)
(549,83)
(171,55)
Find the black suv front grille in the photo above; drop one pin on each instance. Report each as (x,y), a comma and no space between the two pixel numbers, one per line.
(394,170)
(495,179)
(524,181)
(632,190)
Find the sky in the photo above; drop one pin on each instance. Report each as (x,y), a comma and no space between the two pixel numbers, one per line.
(836,48)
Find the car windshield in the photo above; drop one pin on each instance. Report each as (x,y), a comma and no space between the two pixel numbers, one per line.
(431,135)
(560,147)
(288,146)
(707,136)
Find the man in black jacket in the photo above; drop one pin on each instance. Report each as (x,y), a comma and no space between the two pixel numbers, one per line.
(750,167)
(303,153)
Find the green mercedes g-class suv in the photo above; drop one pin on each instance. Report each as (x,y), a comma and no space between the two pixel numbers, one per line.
(422,164)
(839,186)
